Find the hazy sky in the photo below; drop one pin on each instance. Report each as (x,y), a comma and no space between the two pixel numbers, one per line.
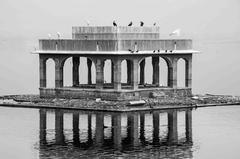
(213,25)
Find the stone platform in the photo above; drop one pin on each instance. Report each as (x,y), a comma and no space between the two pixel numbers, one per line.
(110,94)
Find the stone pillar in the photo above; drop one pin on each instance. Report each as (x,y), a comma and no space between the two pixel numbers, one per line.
(155,63)
(89,66)
(75,71)
(172,127)
(99,134)
(188,125)
(42,126)
(132,122)
(58,73)
(172,74)
(99,73)
(112,73)
(142,74)
(142,127)
(129,71)
(90,129)
(42,71)
(76,140)
(135,74)
(155,127)
(117,74)
(116,130)
(59,135)
(188,73)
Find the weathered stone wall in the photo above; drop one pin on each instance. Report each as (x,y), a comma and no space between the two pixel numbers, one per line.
(113,45)
(115,33)
(112,95)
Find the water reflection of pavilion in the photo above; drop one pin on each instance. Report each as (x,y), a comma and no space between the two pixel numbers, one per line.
(121,138)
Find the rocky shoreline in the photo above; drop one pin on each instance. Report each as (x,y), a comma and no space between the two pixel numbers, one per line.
(195,101)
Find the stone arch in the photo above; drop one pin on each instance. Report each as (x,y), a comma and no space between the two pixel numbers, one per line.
(163,72)
(86,65)
(50,72)
(67,72)
(124,71)
(108,72)
(145,71)
(181,72)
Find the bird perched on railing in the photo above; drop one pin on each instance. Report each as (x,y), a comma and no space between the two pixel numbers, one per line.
(87,22)
(141,23)
(114,23)
(49,36)
(58,35)
(130,24)
(130,50)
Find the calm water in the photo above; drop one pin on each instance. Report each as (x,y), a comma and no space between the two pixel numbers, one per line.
(199,133)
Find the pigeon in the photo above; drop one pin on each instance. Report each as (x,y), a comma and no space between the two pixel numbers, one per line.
(130,24)
(141,23)
(154,24)
(130,50)
(165,50)
(58,35)
(171,51)
(153,51)
(87,22)
(49,36)
(114,23)
(158,50)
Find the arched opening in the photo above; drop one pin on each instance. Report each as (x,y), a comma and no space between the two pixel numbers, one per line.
(148,71)
(108,71)
(145,71)
(181,69)
(163,72)
(86,65)
(124,71)
(50,73)
(67,73)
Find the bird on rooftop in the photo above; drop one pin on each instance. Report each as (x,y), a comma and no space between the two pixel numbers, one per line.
(130,24)
(58,35)
(165,50)
(114,23)
(49,36)
(88,22)
(141,23)
(158,50)
(130,50)
(153,51)
(154,24)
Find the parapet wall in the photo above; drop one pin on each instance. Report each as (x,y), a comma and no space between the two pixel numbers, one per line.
(115,33)
(114,45)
